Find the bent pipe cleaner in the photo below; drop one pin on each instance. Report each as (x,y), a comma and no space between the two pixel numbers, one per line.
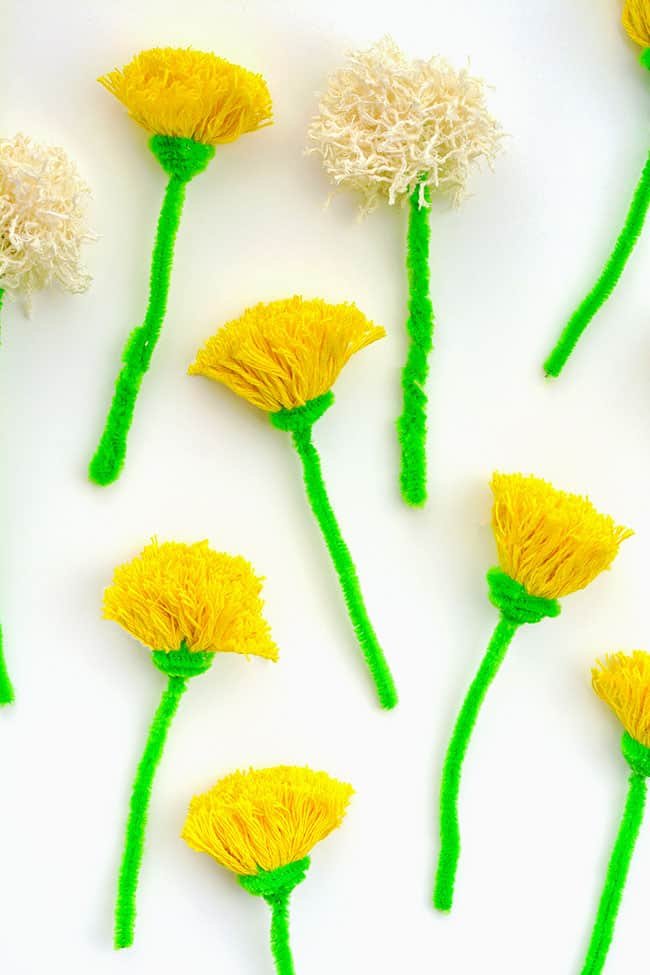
(43,224)
(401,131)
(636,20)
(284,357)
(192,102)
(186,603)
(262,825)
(550,544)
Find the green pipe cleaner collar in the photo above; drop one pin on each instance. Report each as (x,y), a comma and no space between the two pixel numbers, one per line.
(516,607)
(299,423)
(179,665)
(182,159)
(638,758)
(275,886)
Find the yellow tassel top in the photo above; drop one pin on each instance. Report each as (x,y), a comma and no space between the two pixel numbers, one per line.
(551,542)
(193,94)
(623,681)
(636,21)
(266,818)
(172,594)
(282,354)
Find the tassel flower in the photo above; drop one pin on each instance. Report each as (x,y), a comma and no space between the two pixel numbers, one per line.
(399,130)
(191,102)
(262,825)
(186,603)
(623,682)
(43,225)
(550,544)
(636,21)
(283,357)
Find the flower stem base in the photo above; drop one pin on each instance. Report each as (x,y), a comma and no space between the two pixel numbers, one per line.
(276,886)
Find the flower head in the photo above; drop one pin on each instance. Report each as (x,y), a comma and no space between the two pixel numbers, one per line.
(43,204)
(622,681)
(636,21)
(192,94)
(267,818)
(551,542)
(282,354)
(175,595)
(386,122)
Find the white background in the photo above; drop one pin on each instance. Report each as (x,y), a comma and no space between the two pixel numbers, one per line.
(544,781)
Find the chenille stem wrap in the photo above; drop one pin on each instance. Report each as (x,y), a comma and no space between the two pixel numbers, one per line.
(276,887)
(516,607)
(608,279)
(638,756)
(412,424)
(299,423)
(182,159)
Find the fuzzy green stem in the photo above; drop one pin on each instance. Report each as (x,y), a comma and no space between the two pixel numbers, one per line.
(345,568)
(412,424)
(182,159)
(452,769)
(280,944)
(106,465)
(608,279)
(617,871)
(7,695)
(125,908)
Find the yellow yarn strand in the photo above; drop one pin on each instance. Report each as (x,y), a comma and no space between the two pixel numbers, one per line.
(174,594)
(623,682)
(551,542)
(266,818)
(282,354)
(192,94)
(636,21)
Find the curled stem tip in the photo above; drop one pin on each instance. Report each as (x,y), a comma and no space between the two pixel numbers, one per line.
(608,279)
(412,424)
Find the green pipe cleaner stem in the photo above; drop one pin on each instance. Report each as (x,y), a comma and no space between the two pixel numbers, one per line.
(617,872)
(608,279)
(412,424)
(106,465)
(345,568)
(280,943)
(452,769)
(125,906)
(276,887)
(7,695)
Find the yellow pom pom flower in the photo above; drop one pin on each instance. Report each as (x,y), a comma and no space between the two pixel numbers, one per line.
(187,603)
(191,101)
(636,21)
(262,825)
(283,357)
(191,94)
(551,542)
(174,595)
(622,680)
(283,354)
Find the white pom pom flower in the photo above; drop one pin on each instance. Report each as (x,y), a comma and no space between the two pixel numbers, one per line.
(43,204)
(387,124)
